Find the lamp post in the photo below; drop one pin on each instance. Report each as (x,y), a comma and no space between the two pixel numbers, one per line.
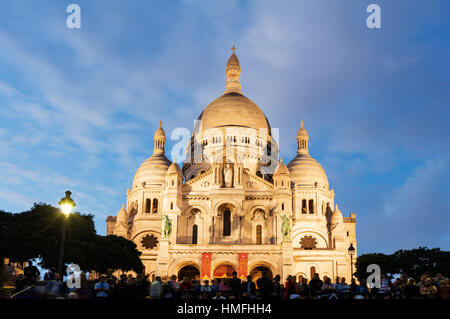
(66,205)
(351,252)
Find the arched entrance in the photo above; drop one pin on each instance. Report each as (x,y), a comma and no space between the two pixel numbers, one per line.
(188,272)
(257,272)
(223,271)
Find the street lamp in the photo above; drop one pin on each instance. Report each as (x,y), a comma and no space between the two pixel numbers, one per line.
(351,252)
(66,205)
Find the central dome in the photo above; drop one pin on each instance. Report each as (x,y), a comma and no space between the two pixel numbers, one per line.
(233,109)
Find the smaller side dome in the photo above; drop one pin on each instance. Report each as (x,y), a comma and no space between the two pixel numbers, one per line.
(154,168)
(336,216)
(281,169)
(174,168)
(122,215)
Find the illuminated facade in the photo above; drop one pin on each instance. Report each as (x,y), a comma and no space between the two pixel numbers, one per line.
(234,205)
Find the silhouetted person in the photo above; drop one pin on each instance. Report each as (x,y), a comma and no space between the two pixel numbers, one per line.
(249,288)
(30,274)
(265,286)
(235,284)
(315,284)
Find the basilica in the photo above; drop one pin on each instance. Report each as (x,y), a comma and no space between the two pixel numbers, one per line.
(234,205)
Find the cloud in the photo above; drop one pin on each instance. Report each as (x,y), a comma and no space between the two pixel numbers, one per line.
(79,107)
(415,213)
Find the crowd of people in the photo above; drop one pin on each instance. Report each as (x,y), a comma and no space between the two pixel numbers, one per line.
(141,287)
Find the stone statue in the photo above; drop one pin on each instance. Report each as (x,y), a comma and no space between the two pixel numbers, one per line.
(167,227)
(286,227)
(228,176)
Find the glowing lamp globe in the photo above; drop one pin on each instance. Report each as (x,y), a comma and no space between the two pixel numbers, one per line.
(67,204)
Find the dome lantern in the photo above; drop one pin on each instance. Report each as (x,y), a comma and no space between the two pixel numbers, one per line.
(302,140)
(233,71)
(160,140)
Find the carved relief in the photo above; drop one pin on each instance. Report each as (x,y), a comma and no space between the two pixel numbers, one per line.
(149,241)
(308,242)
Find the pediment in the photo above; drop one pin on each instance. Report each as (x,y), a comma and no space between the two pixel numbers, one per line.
(201,182)
(256,183)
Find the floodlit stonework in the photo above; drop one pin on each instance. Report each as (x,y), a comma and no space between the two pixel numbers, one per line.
(233,205)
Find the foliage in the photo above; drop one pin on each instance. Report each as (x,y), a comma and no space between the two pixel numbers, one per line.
(37,233)
(384,261)
(414,262)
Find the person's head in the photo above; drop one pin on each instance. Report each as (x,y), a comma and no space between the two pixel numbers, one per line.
(173,277)
(404,278)
(294,278)
(72,295)
(157,278)
(123,277)
(316,276)
(343,280)
(249,278)
(427,282)
(327,280)
(337,279)
(304,281)
(353,281)
(234,274)
(277,277)
(53,269)
(264,273)
(102,278)
(289,278)
(411,281)
(30,263)
(206,282)
(362,282)
(439,277)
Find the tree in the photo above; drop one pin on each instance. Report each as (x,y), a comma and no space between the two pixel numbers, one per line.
(419,261)
(384,261)
(37,234)
(414,262)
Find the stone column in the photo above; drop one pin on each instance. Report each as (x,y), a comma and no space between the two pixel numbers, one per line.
(213,229)
(287,260)
(162,261)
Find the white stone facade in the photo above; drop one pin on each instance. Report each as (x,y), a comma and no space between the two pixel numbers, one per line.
(229,199)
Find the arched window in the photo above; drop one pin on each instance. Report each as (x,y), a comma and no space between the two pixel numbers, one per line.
(171,205)
(303,206)
(155,206)
(311,206)
(282,206)
(259,235)
(227,222)
(312,272)
(194,234)
(148,204)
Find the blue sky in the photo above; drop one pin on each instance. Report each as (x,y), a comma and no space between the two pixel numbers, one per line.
(78,108)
